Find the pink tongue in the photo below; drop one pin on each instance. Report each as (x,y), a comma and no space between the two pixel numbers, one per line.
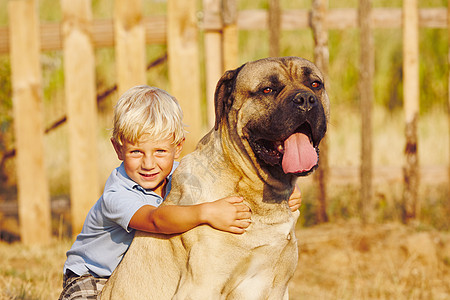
(299,154)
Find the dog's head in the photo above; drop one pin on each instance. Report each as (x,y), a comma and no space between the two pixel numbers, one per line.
(279,106)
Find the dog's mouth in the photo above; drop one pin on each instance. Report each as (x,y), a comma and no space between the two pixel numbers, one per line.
(298,153)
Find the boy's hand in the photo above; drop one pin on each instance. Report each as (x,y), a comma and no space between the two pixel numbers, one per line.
(295,200)
(228,214)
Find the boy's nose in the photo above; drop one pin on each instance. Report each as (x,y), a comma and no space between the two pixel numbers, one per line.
(148,162)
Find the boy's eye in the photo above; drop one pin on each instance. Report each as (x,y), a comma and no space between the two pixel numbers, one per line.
(135,152)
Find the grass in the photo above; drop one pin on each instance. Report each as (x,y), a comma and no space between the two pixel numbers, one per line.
(346,260)
(32,272)
(342,260)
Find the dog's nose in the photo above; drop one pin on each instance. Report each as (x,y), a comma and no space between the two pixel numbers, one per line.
(305,100)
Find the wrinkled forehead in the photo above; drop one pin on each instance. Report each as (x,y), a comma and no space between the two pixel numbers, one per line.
(284,69)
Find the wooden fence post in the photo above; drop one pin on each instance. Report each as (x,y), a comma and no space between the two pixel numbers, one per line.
(448,102)
(129,33)
(366,69)
(274,27)
(213,58)
(32,185)
(321,57)
(184,74)
(411,107)
(80,93)
(230,34)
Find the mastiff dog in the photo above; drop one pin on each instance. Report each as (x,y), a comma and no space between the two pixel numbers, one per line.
(271,115)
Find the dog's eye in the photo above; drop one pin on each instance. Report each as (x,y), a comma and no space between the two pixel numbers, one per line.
(316,84)
(267,90)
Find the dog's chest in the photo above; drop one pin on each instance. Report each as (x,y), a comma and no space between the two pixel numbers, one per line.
(272,250)
(269,235)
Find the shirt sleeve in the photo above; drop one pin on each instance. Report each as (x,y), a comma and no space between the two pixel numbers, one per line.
(120,206)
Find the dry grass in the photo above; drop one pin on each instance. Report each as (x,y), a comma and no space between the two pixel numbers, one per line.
(32,272)
(385,261)
(337,261)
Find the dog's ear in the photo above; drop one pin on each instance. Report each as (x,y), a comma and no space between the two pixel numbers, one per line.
(222,96)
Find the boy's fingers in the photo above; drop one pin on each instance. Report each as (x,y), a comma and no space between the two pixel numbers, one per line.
(245,224)
(243,215)
(295,207)
(241,224)
(237,230)
(296,193)
(234,199)
(294,201)
(242,207)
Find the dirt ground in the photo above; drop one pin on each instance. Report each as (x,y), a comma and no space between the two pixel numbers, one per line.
(383,261)
(336,261)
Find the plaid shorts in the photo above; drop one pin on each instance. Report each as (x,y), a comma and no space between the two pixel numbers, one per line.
(82,287)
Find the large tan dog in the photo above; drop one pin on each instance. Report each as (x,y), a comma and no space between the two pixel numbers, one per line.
(270,117)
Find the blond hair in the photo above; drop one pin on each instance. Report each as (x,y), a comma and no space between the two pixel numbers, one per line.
(145,110)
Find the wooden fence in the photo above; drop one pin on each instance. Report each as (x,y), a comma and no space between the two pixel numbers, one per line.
(78,34)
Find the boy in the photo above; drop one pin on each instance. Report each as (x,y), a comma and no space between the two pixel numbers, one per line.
(148,136)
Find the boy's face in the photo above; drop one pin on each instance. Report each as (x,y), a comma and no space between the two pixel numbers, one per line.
(149,162)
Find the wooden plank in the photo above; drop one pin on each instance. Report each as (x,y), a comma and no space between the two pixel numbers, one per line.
(4,40)
(155,26)
(448,103)
(213,59)
(321,58)
(274,27)
(230,36)
(184,73)
(32,185)
(102,34)
(366,73)
(129,35)
(80,94)
(343,18)
(213,71)
(155,31)
(338,18)
(295,19)
(411,107)
(252,19)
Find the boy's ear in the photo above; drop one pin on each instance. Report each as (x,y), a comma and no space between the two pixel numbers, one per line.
(118,149)
(178,149)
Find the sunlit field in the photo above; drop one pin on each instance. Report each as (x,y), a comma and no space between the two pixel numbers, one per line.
(339,260)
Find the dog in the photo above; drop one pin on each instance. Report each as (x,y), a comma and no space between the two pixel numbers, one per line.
(271,115)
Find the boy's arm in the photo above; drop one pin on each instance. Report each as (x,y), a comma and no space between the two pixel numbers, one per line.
(295,200)
(227,214)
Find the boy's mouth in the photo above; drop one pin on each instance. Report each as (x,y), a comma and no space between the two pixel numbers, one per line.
(148,176)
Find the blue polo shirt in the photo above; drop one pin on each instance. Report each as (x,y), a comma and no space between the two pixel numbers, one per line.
(105,236)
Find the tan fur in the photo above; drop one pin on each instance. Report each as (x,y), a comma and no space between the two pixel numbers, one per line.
(205,263)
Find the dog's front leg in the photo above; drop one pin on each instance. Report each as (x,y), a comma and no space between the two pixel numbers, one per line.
(209,264)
